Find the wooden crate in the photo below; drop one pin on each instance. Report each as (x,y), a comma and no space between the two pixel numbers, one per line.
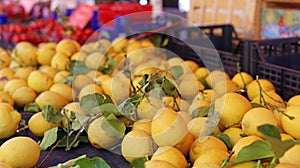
(243,14)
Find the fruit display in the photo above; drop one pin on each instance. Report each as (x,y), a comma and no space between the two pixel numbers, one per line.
(130,98)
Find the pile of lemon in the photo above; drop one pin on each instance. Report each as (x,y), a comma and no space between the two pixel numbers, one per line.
(166,131)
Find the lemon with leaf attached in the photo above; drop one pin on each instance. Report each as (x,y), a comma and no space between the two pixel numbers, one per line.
(9,120)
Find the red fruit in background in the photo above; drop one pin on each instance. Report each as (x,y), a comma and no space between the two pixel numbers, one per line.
(15,10)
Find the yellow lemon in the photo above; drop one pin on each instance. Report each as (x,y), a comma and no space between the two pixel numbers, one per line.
(285,136)
(119,44)
(286,165)
(215,76)
(291,126)
(20,152)
(253,88)
(201,73)
(23,96)
(234,134)
(6,74)
(61,76)
(60,62)
(5,59)
(136,144)
(196,125)
(90,89)
(232,107)
(23,73)
(291,156)
(67,47)
(39,81)
(143,124)
(51,98)
(95,60)
(242,79)
(185,144)
(100,138)
(211,156)
(45,54)
(9,120)
(79,56)
(65,90)
(171,155)
(294,101)
(203,144)
(272,99)
(207,165)
(158,164)
(192,64)
(185,116)
(12,85)
(148,107)
(50,71)
(25,54)
(249,164)
(168,128)
(257,117)
(226,86)
(6,98)
(80,81)
(112,87)
(38,125)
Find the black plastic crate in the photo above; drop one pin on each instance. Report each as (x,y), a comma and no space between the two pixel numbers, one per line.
(278,61)
(226,46)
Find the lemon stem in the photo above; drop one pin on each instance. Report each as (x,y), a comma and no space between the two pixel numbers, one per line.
(238,67)
(225,162)
(234,123)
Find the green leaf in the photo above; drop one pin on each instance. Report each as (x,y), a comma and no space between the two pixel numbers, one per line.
(272,135)
(95,162)
(106,109)
(259,149)
(81,118)
(225,138)
(170,85)
(138,163)
(128,109)
(68,163)
(205,84)
(156,40)
(51,114)
(115,127)
(144,80)
(201,111)
(49,138)
(256,105)
(32,108)
(78,67)
(68,80)
(269,130)
(81,138)
(90,101)
(176,71)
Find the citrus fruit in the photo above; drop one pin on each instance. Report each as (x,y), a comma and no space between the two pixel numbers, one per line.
(291,156)
(60,62)
(39,81)
(192,64)
(234,133)
(211,156)
(196,125)
(89,89)
(6,98)
(242,79)
(291,126)
(38,125)
(9,120)
(215,76)
(67,47)
(143,124)
(12,85)
(253,88)
(25,54)
(245,141)
(201,73)
(65,90)
(294,101)
(286,165)
(23,96)
(80,81)
(272,99)
(61,76)
(171,155)
(158,164)
(148,107)
(44,55)
(23,72)
(51,98)
(95,60)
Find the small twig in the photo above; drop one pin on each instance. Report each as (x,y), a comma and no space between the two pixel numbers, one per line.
(239,72)
(225,161)
(22,129)
(234,124)
(52,149)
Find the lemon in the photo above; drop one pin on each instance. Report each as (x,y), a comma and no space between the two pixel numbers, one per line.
(242,143)
(5,59)
(12,85)
(113,87)
(95,60)
(256,117)
(179,105)
(215,76)
(272,99)
(168,128)
(25,54)
(285,136)
(286,165)
(51,45)
(192,64)
(98,137)
(90,89)
(20,152)
(211,156)
(65,90)
(158,164)
(60,62)
(185,116)
(291,126)
(94,74)
(38,125)
(39,81)
(80,81)
(6,74)
(291,156)
(294,101)
(253,88)
(23,96)
(119,44)
(15,65)
(232,107)
(171,155)
(207,165)
(23,73)
(147,108)
(67,109)
(3,165)
(196,125)
(234,134)
(242,79)
(201,73)
(177,61)
(61,76)
(51,98)
(101,78)
(189,88)
(185,144)
(136,144)
(50,71)
(44,55)
(143,124)
(9,120)
(79,56)
(200,146)
(67,47)
(6,98)
(225,86)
